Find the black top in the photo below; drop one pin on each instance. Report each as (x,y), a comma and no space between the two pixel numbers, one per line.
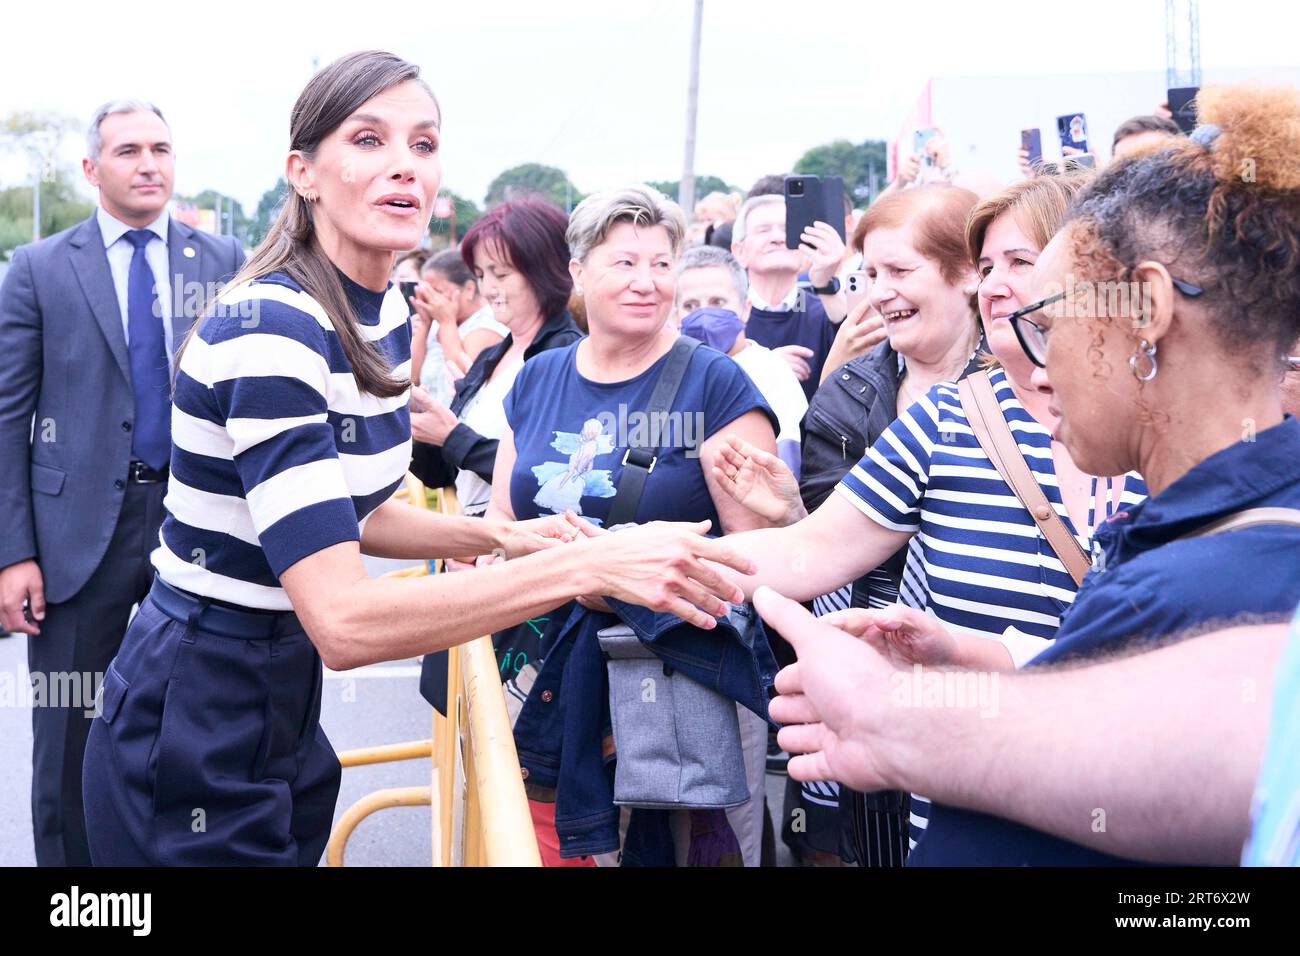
(437,466)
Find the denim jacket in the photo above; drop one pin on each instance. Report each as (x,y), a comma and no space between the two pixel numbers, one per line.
(1152,582)
(564,735)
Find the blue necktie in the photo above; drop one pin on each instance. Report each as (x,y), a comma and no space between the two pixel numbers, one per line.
(150,378)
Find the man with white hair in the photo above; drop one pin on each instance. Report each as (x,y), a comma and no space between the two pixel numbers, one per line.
(783,316)
(90,323)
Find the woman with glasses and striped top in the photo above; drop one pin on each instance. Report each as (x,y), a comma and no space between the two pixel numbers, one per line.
(978,562)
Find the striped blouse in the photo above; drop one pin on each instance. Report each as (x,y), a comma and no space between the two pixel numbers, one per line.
(976,560)
(276,454)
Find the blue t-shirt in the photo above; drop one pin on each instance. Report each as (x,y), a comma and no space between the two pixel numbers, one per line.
(571,434)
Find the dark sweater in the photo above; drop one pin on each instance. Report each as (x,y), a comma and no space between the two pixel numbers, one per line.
(807,325)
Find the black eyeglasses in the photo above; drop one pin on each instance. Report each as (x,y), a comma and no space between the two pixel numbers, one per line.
(1033,337)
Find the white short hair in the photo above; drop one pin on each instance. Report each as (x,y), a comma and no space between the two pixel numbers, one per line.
(94,141)
(640,204)
(752,203)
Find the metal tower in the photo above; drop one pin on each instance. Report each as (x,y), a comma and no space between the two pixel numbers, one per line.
(1182,43)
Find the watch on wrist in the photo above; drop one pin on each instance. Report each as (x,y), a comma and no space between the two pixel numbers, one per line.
(830,289)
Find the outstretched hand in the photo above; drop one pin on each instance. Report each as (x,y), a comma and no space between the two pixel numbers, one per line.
(760,481)
(835,700)
(902,635)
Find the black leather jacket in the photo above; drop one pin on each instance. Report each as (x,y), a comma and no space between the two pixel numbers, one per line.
(437,466)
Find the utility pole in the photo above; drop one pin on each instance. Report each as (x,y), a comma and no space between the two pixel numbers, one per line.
(41,150)
(1182,51)
(686,193)
(41,145)
(36,202)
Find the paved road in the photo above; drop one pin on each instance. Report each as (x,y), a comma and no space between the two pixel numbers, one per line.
(373,705)
(379,704)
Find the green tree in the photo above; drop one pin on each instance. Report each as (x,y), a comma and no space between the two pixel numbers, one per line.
(703,186)
(35,133)
(268,207)
(61,207)
(519,181)
(466,215)
(36,136)
(852,162)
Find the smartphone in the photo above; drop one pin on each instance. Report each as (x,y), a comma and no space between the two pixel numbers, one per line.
(809,199)
(408,293)
(1031,140)
(1072,128)
(1182,103)
(855,289)
(919,140)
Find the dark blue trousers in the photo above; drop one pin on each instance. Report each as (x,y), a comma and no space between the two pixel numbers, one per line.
(208,748)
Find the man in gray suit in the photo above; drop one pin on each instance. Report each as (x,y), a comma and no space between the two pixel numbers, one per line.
(91,320)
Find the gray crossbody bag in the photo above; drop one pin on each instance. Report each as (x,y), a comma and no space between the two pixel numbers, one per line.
(678,742)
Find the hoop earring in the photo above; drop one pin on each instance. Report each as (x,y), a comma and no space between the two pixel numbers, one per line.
(1149,351)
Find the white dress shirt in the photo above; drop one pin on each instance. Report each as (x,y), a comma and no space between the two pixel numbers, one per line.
(119,251)
(785,305)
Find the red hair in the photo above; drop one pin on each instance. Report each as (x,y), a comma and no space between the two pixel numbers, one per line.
(937,215)
(531,234)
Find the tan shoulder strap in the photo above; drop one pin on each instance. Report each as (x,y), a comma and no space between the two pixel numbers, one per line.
(980,403)
(1250,518)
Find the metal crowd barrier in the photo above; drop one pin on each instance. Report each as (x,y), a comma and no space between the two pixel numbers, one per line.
(476,794)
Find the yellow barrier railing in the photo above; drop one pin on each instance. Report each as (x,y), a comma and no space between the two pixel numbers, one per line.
(476,794)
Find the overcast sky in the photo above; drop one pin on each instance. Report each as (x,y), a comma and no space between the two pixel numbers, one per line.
(596,88)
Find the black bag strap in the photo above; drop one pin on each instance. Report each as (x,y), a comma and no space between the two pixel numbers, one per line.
(639,462)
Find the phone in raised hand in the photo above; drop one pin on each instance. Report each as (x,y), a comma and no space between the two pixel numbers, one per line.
(855,289)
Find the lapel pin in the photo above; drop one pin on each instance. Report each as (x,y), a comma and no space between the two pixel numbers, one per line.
(189,252)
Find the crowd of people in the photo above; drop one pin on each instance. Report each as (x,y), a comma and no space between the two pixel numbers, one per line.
(956,501)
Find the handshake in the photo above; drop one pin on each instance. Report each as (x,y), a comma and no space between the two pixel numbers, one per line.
(666,566)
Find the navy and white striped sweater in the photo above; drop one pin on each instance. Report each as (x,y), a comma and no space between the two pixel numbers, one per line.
(275,452)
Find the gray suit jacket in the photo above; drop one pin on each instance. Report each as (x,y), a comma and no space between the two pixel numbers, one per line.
(63,360)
